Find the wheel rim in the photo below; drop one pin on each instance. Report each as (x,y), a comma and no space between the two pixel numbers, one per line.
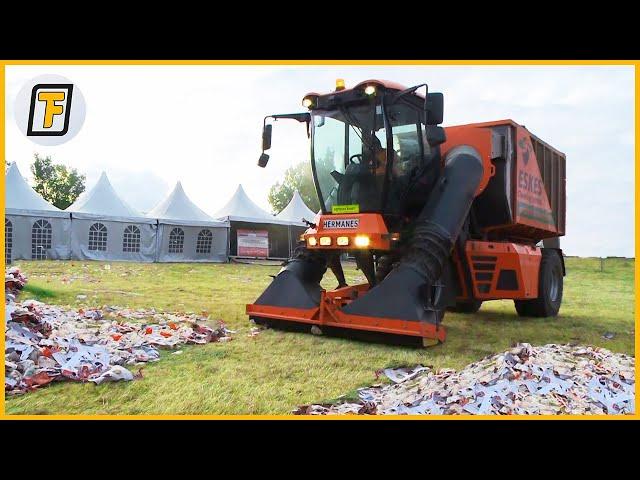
(554,287)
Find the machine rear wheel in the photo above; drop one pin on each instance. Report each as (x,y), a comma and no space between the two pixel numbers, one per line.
(470,306)
(549,289)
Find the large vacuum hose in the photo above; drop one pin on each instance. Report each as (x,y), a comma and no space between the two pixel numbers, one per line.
(401,295)
(439,223)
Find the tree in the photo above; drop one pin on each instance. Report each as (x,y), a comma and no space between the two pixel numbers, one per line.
(298,178)
(56,183)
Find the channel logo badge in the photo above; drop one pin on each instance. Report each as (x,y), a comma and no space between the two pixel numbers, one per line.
(50,110)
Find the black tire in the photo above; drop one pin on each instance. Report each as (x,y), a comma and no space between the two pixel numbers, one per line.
(549,288)
(469,306)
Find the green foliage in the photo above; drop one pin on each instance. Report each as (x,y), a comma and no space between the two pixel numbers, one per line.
(56,183)
(300,178)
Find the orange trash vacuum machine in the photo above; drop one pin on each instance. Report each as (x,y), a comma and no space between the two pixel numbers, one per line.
(436,218)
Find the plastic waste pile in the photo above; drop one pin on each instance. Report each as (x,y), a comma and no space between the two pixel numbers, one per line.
(46,343)
(14,281)
(526,380)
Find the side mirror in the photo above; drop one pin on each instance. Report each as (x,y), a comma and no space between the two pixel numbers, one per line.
(434,108)
(267,128)
(435,135)
(263,160)
(266,137)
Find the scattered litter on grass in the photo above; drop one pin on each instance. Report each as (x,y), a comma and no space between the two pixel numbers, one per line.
(400,375)
(550,379)
(255,331)
(46,342)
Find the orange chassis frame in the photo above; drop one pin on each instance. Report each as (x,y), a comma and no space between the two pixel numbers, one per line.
(328,314)
(523,261)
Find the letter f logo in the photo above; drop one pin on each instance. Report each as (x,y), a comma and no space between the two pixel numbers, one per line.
(50,109)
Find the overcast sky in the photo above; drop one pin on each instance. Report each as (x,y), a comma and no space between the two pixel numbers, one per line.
(149,126)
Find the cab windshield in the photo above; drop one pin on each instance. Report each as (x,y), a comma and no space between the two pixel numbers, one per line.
(351,155)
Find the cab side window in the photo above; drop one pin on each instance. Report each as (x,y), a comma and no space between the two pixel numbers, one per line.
(408,141)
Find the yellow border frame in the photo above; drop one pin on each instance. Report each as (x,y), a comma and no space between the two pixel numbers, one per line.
(635,63)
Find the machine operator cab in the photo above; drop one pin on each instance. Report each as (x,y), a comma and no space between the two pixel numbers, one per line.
(371,145)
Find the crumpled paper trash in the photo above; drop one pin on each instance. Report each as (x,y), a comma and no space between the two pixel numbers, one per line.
(14,281)
(45,343)
(525,380)
(115,373)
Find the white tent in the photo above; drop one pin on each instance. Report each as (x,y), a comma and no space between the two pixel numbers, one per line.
(104,227)
(103,200)
(254,232)
(186,233)
(33,228)
(296,210)
(242,209)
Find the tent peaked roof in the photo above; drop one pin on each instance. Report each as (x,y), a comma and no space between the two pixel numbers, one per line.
(178,207)
(241,208)
(296,210)
(21,198)
(103,200)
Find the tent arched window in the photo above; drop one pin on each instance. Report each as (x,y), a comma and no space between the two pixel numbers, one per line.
(131,239)
(8,241)
(204,242)
(40,239)
(98,237)
(176,240)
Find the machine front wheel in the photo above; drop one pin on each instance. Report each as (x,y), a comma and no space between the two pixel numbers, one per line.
(470,306)
(549,289)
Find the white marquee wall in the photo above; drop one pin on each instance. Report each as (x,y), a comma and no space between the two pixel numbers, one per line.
(21,244)
(115,248)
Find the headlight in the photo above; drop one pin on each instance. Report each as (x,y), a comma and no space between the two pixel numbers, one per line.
(362,241)
(342,241)
(370,89)
(312,241)
(308,102)
(325,241)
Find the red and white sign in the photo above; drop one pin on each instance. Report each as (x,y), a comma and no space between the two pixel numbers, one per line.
(253,243)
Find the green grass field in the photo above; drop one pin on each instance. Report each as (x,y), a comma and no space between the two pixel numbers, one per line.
(275,371)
